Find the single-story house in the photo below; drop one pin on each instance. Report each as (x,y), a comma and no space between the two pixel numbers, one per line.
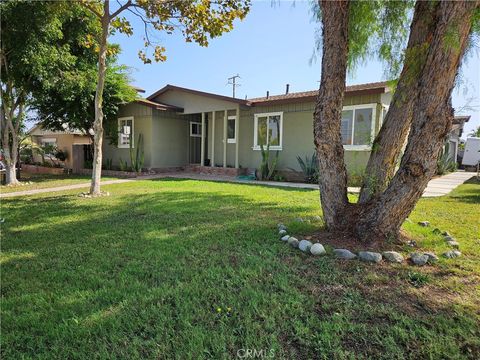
(183,127)
(453,140)
(69,141)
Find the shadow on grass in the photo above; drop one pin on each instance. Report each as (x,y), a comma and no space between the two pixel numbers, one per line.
(154,274)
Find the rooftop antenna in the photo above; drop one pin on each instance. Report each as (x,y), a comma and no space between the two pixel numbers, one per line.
(232,81)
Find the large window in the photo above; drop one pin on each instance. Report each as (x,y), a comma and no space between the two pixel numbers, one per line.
(268,130)
(231,135)
(358,126)
(125,132)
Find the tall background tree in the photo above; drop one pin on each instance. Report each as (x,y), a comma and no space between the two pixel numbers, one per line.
(197,20)
(440,33)
(48,66)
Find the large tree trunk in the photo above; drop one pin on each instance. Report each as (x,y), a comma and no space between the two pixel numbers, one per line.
(98,123)
(433,114)
(392,136)
(328,112)
(10,135)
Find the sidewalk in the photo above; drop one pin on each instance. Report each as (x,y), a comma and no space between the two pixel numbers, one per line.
(436,187)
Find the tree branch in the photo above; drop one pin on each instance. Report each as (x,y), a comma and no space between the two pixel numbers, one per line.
(120,9)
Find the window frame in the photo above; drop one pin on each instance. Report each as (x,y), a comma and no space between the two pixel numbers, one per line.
(372,106)
(234,139)
(132,132)
(199,124)
(256,146)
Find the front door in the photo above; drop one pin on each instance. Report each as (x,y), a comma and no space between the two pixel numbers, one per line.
(195,142)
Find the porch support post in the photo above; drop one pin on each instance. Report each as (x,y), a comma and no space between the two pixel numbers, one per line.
(237,140)
(202,151)
(225,138)
(212,164)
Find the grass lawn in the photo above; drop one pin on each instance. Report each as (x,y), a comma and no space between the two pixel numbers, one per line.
(183,269)
(43,181)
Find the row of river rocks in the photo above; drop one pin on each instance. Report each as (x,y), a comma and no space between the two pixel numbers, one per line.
(416,258)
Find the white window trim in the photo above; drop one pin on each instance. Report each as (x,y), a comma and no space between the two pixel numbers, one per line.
(48,140)
(382,119)
(132,132)
(232,140)
(255,134)
(374,116)
(191,128)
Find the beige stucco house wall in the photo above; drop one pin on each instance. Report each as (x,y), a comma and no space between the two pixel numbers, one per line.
(64,140)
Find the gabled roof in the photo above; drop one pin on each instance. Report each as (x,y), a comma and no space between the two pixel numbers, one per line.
(196,92)
(461,119)
(361,89)
(158,105)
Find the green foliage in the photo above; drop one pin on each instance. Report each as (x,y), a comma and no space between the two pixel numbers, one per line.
(267,167)
(108,164)
(123,165)
(475,132)
(418,279)
(377,28)
(309,167)
(445,164)
(137,157)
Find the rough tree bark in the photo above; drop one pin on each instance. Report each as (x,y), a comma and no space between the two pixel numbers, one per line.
(98,123)
(392,136)
(433,114)
(328,112)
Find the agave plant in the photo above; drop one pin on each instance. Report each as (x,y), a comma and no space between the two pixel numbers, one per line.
(137,158)
(309,167)
(267,168)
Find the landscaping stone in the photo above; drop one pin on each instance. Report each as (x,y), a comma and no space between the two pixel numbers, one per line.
(299,219)
(317,249)
(282,232)
(452,254)
(304,245)
(293,242)
(437,231)
(432,258)
(448,238)
(424,223)
(393,256)
(446,233)
(412,243)
(317,218)
(285,238)
(369,256)
(281,227)
(419,259)
(453,244)
(344,254)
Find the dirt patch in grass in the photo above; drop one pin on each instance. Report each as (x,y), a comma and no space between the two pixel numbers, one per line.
(341,240)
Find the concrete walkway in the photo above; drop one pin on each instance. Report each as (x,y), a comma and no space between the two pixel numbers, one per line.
(436,187)
(444,184)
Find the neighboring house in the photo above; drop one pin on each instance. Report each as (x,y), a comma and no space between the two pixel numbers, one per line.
(182,127)
(69,141)
(453,140)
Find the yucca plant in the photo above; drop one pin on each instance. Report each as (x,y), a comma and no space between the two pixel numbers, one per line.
(267,169)
(309,167)
(137,158)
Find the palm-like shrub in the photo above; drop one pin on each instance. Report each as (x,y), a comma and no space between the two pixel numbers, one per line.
(309,167)
(267,168)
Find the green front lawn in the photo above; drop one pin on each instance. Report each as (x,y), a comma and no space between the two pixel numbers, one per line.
(43,181)
(186,269)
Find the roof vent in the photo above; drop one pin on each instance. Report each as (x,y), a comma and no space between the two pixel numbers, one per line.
(287,88)
(268,94)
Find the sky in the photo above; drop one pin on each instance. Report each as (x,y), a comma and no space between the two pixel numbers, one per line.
(270,48)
